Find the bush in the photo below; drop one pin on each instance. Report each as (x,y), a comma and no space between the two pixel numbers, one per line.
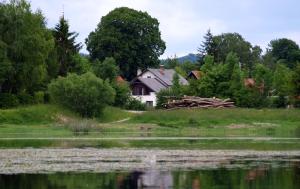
(279,102)
(122,94)
(85,94)
(250,98)
(25,98)
(163,95)
(39,97)
(133,104)
(8,100)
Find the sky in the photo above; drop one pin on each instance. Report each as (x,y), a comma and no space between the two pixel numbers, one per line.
(183,23)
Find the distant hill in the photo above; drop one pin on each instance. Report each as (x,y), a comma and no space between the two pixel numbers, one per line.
(190,57)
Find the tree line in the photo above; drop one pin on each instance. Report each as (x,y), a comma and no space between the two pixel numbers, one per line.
(232,67)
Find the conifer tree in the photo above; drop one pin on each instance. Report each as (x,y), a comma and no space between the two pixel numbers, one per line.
(65,45)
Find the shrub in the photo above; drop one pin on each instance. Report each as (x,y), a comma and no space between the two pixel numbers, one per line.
(25,98)
(133,104)
(122,94)
(8,100)
(250,98)
(163,95)
(39,97)
(279,102)
(85,94)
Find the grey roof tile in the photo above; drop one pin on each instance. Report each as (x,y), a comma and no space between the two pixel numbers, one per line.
(166,76)
(152,83)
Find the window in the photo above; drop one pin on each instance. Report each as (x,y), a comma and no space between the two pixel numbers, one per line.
(137,90)
(149,76)
(140,90)
(149,103)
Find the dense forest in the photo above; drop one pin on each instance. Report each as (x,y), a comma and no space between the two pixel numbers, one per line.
(39,64)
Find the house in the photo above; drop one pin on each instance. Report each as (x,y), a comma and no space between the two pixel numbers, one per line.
(195,74)
(149,82)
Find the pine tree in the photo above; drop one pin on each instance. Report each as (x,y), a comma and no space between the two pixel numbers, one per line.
(65,45)
(207,47)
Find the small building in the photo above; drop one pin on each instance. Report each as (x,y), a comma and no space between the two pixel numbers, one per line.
(149,82)
(195,74)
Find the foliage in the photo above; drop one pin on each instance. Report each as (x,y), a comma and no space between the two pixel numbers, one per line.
(122,94)
(286,51)
(25,98)
(65,45)
(25,46)
(131,37)
(208,47)
(8,100)
(134,104)
(106,69)
(39,97)
(296,81)
(282,80)
(85,94)
(162,97)
(80,64)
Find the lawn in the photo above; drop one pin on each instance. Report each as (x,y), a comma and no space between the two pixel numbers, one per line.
(48,125)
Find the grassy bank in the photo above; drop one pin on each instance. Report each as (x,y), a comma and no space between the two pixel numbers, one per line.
(227,122)
(24,125)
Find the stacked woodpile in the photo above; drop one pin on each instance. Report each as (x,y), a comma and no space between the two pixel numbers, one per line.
(198,102)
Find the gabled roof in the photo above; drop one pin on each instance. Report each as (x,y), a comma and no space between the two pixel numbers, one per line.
(152,83)
(166,76)
(197,74)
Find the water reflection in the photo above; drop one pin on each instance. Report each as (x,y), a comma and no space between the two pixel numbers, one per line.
(261,176)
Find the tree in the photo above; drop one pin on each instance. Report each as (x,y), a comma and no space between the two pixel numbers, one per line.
(296,80)
(65,45)
(85,94)
(131,37)
(106,69)
(80,64)
(208,47)
(286,51)
(282,80)
(25,45)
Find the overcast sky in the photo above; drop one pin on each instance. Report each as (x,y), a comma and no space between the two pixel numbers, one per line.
(184,22)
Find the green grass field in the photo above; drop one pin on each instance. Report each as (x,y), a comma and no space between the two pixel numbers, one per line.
(48,125)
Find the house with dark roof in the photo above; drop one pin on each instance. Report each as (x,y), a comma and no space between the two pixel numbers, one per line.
(149,82)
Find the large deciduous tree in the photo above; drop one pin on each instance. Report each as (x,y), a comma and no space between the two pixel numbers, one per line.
(66,46)
(283,51)
(25,44)
(131,37)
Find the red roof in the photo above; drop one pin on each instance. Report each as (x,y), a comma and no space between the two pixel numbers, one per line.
(119,79)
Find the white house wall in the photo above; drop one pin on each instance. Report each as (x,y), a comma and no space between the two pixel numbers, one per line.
(145,98)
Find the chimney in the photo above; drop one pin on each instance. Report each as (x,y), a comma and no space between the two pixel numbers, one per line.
(139,72)
(162,69)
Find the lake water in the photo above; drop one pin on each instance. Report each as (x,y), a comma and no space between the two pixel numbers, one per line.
(277,175)
(148,169)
